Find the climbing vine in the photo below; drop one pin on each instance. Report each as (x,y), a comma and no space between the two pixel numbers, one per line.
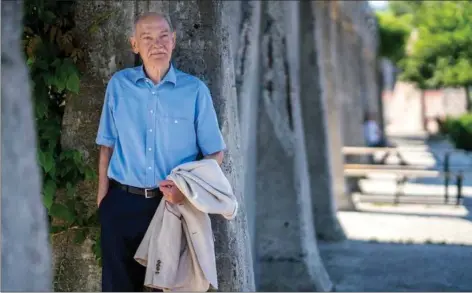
(54,58)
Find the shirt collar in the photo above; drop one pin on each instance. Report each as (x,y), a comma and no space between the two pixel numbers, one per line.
(169,77)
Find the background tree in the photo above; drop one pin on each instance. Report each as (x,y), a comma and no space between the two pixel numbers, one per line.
(404,8)
(441,47)
(394,31)
(396,24)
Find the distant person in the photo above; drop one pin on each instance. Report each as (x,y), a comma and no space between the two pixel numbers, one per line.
(375,138)
(373,135)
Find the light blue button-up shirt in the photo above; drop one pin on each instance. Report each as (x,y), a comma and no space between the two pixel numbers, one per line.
(154,128)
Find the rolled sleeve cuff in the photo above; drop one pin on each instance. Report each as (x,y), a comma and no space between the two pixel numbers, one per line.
(105,141)
(213,148)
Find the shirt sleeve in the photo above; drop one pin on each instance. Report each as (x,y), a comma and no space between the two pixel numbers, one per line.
(209,137)
(107,133)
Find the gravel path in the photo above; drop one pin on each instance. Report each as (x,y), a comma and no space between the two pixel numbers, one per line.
(405,247)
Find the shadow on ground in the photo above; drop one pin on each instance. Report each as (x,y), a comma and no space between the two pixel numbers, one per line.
(358,266)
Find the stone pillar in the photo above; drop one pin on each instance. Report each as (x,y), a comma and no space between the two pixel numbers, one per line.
(320,118)
(345,81)
(352,116)
(204,48)
(26,254)
(359,100)
(372,90)
(363,76)
(107,50)
(353,135)
(248,60)
(342,90)
(285,231)
(379,78)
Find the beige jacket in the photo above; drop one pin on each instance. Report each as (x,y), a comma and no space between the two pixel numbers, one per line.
(178,247)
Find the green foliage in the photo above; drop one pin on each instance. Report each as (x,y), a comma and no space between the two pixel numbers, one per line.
(394,32)
(441,52)
(403,8)
(53,58)
(459,131)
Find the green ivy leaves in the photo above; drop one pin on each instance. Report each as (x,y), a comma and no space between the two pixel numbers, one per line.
(73,83)
(62,212)
(46,161)
(66,76)
(49,190)
(52,59)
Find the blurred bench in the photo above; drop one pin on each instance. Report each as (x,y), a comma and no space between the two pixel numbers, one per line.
(351,150)
(403,174)
(370,151)
(408,171)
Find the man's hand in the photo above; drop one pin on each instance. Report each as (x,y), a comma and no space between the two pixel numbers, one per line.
(171,192)
(99,199)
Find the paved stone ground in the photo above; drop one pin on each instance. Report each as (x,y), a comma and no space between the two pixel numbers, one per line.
(357,266)
(409,247)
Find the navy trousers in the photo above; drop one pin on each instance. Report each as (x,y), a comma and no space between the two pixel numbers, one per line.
(124,219)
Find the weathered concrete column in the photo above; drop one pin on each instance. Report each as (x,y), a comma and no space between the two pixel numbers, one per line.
(26,253)
(321,127)
(285,231)
(370,40)
(346,79)
(204,49)
(358,99)
(344,199)
(107,50)
(248,63)
(353,135)
(352,106)
(379,78)
(371,81)
(362,76)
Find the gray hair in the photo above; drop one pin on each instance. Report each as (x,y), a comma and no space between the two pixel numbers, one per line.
(147,14)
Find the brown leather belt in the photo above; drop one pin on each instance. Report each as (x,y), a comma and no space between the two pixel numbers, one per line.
(147,193)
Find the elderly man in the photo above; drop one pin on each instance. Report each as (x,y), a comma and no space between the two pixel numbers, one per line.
(154,118)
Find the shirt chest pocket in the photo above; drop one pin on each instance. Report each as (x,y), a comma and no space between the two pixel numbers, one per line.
(179,134)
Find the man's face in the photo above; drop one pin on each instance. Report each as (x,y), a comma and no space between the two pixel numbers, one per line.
(153,40)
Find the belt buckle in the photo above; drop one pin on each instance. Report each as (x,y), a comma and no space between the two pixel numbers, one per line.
(146,193)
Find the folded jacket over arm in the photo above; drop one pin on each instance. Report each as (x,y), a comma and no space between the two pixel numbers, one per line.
(178,247)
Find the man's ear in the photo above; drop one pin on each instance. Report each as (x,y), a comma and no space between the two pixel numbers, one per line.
(174,38)
(134,45)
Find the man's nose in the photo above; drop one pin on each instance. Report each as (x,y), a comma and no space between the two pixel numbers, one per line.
(157,42)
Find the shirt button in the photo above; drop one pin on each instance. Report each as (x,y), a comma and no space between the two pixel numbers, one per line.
(149,168)
(150,130)
(153,93)
(175,121)
(151,111)
(149,149)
